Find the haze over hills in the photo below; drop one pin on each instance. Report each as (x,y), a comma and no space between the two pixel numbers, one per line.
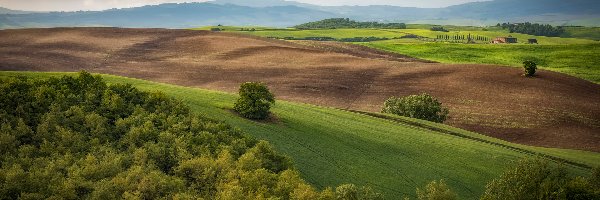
(9,11)
(281,13)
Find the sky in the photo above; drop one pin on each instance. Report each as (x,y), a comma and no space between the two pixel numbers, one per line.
(74,5)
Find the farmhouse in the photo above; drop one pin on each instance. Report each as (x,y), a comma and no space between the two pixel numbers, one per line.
(503,40)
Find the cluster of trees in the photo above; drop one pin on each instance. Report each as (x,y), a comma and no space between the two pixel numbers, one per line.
(539,179)
(533,29)
(422,106)
(438,28)
(334,23)
(527,179)
(79,138)
(468,37)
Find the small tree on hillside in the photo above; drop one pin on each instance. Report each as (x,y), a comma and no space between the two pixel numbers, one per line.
(530,67)
(255,100)
(421,106)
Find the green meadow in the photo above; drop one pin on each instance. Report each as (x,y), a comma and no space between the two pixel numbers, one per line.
(394,155)
(578,60)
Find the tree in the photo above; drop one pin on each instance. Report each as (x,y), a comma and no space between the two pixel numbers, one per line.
(436,191)
(530,67)
(255,100)
(421,106)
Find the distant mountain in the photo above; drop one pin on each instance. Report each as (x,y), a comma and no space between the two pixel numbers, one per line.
(9,11)
(183,15)
(557,12)
(262,3)
(280,13)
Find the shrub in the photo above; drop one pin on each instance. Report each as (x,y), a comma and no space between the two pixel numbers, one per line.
(255,100)
(436,191)
(530,67)
(352,192)
(421,106)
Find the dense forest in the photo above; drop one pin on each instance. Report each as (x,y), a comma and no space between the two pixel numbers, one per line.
(80,138)
(334,23)
(533,29)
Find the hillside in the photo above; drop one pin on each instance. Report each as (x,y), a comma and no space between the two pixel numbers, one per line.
(170,15)
(88,140)
(9,11)
(493,100)
(572,56)
(279,13)
(393,155)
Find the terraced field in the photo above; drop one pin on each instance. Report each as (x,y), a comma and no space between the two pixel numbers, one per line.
(394,155)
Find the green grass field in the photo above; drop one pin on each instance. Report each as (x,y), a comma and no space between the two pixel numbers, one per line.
(573,56)
(578,60)
(592,33)
(331,146)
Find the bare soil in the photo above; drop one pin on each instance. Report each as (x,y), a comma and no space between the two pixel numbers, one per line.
(550,110)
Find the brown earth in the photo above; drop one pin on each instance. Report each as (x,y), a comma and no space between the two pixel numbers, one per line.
(551,110)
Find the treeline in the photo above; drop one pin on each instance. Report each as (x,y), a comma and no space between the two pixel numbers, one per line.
(335,23)
(79,138)
(468,37)
(438,28)
(533,29)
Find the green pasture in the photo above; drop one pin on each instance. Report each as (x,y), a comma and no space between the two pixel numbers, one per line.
(580,60)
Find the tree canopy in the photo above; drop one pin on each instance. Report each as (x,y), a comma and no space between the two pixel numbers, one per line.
(533,29)
(80,138)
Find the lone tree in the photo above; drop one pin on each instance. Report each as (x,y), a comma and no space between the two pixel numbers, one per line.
(530,67)
(255,100)
(421,106)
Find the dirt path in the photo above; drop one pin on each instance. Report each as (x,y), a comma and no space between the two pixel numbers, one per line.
(551,110)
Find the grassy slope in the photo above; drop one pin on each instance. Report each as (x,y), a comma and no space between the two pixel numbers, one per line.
(331,146)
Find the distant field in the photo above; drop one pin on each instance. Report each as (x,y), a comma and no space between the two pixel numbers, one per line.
(580,60)
(331,146)
(592,33)
(573,56)
(420,30)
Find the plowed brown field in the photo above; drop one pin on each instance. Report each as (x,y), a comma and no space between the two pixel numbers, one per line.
(551,110)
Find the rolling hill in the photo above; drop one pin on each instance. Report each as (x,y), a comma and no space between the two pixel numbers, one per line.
(488,99)
(9,11)
(279,13)
(394,155)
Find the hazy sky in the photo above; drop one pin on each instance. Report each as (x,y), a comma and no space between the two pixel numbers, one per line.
(70,5)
